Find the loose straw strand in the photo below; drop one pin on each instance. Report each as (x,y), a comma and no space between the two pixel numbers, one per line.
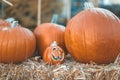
(68,10)
(7,2)
(39,12)
(2,7)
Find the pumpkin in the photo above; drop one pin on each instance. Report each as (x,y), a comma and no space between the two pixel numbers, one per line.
(46,33)
(54,54)
(93,35)
(16,43)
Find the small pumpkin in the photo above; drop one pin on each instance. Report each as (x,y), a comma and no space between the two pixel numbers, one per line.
(54,54)
(93,35)
(16,43)
(46,33)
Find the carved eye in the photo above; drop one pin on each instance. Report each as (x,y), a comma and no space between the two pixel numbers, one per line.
(54,49)
(58,48)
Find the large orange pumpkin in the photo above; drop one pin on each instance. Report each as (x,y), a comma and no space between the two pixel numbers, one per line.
(93,35)
(16,44)
(46,33)
(54,54)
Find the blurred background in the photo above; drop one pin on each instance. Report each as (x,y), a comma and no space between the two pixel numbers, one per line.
(25,11)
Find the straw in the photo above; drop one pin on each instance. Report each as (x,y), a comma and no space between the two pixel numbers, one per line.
(35,69)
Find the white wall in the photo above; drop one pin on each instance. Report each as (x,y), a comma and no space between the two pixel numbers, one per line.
(115,1)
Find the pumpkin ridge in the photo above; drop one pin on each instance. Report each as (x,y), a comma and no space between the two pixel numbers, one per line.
(25,44)
(84,38)
(7,54)
(23,41)
(68,36)
(15,46)
(1,42)
(30,41)
(2,45)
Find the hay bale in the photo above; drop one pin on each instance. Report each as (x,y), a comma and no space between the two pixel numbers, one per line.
(26,11)
(36,69)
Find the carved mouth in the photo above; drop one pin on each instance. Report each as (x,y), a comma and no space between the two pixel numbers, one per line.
(57,58)
(54,57)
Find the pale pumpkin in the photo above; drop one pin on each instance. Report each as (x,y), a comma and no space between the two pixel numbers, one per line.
(93,35)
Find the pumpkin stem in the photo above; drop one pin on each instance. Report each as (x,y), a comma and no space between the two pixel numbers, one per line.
(14,24)
(54,43)
(88,5)
(10,20)
(54,18)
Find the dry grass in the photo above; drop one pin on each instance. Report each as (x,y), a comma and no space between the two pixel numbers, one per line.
(36,69)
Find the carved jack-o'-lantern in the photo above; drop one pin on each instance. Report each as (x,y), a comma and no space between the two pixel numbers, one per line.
(54,54)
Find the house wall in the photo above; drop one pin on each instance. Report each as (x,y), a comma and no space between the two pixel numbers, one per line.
(115,1)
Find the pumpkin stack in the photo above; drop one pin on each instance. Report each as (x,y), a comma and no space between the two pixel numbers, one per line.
(47,33)
(93,35)
(16,43)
